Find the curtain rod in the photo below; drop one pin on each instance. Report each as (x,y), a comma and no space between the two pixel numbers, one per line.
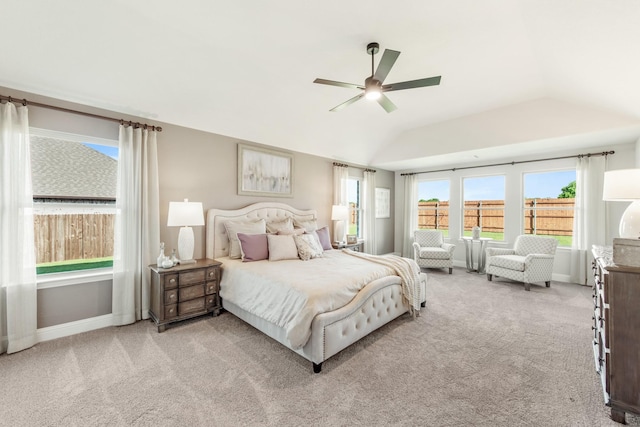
(577,156)
(82,113)
(344,165)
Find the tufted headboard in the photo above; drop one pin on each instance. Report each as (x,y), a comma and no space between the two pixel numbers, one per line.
(217,242)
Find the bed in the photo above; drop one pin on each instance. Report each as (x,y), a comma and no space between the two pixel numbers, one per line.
(373,295)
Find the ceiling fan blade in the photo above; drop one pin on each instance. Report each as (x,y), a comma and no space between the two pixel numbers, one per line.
(384,66)
(340,84)
(347,103)
(386,103)
(429,81)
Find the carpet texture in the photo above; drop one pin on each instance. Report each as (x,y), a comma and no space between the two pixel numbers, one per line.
(481,354)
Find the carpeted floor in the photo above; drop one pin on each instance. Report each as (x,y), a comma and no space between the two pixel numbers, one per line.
(481,354)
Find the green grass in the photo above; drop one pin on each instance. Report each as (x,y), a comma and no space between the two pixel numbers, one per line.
(562,240)
(73,265)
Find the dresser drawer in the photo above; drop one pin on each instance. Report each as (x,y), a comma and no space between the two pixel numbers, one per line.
(192,306)
(191,292)
(170,281)
(212,273)
(190,277)
(211,300)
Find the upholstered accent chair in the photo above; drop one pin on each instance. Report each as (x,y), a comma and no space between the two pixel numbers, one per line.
(530,260)
(430,251)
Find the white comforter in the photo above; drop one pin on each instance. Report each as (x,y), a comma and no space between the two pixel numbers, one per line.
(291,293)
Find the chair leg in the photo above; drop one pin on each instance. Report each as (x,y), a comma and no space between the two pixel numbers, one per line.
(527,286)
(489,277)
(548,284)
(450,270)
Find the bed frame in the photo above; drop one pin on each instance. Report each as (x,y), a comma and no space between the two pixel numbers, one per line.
(376,304)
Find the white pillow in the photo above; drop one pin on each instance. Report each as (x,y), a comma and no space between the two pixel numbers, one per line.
(276,226)
(235,227)
(282,246)
(309,225)
(308,246)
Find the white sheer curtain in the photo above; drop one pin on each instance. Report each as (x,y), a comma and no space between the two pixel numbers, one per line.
(369,211)
(410,214)
(137,225)
(589,221)
(340,190)
(18,308)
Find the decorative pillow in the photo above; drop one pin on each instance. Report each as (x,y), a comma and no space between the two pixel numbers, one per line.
(308,225)
(235,227)
(281,247)
(308,246)
(276,226)
(293,231)
(253,247)
(324,238)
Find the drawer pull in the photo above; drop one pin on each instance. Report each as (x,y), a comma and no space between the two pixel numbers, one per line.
(172,280)
(210,300)
(172,296)
(171,310)
(211,273)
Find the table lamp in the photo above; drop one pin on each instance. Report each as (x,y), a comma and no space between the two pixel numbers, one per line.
(623,185)
(185,215)
(340,214)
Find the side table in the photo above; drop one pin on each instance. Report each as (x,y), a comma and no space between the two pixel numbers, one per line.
(482,257)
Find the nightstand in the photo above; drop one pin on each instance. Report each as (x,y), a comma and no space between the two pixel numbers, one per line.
(184,291)
(358,247)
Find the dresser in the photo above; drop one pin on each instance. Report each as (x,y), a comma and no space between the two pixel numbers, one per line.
(184,291)
(616,332)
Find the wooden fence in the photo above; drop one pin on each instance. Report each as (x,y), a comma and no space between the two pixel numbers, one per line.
(543,216)
(63,237)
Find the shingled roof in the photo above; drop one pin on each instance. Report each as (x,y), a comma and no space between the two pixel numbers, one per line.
(62,169)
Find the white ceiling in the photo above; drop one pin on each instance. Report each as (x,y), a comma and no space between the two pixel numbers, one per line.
(518,76)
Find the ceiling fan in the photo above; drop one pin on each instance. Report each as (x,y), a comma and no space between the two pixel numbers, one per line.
(373,88)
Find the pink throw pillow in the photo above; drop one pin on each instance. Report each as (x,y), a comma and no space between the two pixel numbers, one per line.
(254,247)
(324,238)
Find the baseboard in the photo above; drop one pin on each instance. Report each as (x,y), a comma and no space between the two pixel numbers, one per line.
(72,328)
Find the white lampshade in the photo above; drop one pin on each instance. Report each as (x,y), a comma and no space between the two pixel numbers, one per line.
(185,214)
(339,213)
(623,185)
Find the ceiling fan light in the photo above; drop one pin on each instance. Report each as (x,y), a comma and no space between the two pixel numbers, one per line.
(372,93)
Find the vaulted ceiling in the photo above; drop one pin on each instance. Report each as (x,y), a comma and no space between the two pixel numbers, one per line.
(518,76)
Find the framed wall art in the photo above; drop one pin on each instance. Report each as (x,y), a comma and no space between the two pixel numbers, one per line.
(264,172)
(383,202)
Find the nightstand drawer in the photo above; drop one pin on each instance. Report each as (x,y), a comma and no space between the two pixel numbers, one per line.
(211,300)
(193,306)
(171,296)
(191,292)
(190,277)
(170,281)
(212,287)
(212,273)
(170,311)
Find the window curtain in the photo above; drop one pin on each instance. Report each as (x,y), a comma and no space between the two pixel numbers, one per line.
(369,211)
(410,214)
(589,220)
(18,308)
(340,192)
(137,224)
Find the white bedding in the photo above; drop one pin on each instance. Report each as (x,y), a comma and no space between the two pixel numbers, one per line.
(291,293)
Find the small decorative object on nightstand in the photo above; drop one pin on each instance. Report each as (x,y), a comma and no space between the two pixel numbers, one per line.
(357,246)
(184,291)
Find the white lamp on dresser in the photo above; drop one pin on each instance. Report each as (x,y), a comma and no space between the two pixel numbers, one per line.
(623,185)
(185,215)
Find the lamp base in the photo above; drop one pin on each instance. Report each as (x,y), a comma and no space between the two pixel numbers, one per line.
(630,222)
(185,243)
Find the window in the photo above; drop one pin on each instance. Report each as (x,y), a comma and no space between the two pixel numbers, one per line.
(74,186)
(549,204)
(433,205)
(484,206)
(355,211)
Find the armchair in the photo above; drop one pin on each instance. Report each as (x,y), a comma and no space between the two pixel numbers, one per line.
(430,251)
(530,260)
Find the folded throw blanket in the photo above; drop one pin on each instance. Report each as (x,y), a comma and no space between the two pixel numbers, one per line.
(408,271)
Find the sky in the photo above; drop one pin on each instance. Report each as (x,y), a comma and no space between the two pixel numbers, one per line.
(536,185)
(104,149)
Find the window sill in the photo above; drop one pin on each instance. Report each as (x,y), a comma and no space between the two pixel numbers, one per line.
(55,280)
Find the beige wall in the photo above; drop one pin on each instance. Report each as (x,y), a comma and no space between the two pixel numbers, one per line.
(202,167)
